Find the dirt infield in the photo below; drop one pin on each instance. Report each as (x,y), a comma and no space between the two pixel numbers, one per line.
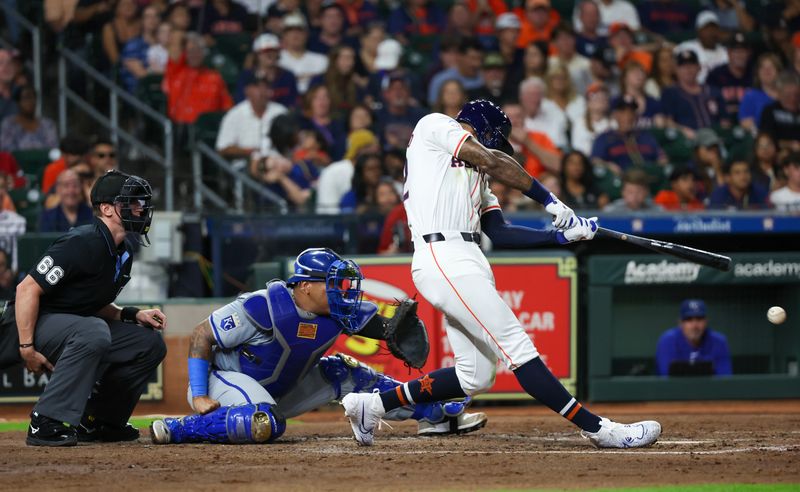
(710,442)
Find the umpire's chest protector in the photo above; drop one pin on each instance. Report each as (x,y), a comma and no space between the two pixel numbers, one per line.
(297,343)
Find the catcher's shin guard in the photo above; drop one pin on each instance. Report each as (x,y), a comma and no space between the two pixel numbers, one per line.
(338,368)
(251,423)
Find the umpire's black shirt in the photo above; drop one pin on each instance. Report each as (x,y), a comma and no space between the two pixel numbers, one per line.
(82,271)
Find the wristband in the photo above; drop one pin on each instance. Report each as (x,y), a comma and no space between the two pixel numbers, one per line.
(128,314)
(25,345)
(538,192)
(198,376)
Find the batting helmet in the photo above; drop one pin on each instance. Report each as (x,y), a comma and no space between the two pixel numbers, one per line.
(491,124)
(342,282)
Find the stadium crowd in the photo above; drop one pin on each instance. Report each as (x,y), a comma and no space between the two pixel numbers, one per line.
(616,106)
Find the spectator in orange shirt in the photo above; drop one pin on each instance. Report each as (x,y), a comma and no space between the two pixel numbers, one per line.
(538,22)
(190,87)
(539,153)
(73,149)
(620,37)
(683,192)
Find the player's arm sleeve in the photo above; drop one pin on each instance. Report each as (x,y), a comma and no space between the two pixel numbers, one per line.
(229,325)
(443,132)
(507,236)
(64,259)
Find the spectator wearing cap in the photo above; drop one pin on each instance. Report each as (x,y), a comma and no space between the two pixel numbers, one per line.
(588,41)
(763,93)
(467,69)
(739,192)
(25,130)
(73,149)
(541,114)
(507,28)
(621,40)
(735,77)
(635,194)
(72,209)
(295,57)
(781,119)
(611,12)
(244,131)
(494,79)
(595,120)
(690,105)
(708,47)
(416,18)
(682,194)
(666,16)
(332,22)
(787,198)
(565,55)
(278,11)
(537,22)
(192,88)
(633,82)
(692,342)
(625,146)
(134,60)
(396,119)
(282,83)
(336,179)
(221,17)
(534,149)
(708,161)
(732,14)
(387,60)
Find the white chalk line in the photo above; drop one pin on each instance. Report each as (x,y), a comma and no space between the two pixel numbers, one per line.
(394,452)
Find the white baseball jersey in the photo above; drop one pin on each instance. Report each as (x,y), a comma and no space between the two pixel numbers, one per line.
(441,192)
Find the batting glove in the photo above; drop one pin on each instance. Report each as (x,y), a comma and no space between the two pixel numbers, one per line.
(584,230)
(563,216)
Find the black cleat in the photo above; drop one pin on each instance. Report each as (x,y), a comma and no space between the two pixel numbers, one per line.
(44,431)
(94,432)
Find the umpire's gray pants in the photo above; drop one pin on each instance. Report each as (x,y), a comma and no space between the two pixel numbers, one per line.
(118,357)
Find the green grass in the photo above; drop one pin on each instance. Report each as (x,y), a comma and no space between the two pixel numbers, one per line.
(708,487)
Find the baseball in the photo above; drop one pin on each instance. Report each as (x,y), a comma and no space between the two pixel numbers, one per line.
(776,315)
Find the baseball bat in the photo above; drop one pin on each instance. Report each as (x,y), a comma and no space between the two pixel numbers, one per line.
(699,256)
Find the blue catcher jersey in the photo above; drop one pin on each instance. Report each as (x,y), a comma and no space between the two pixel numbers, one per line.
(266,336)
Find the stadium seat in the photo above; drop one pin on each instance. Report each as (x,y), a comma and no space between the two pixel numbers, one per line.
(607,182)
(149,91)
(677,147)
(235,46)
(738,141)
(226,67)
(33,161)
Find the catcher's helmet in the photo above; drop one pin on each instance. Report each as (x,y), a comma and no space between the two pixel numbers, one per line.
(133,193)
(491,124)
(342,282)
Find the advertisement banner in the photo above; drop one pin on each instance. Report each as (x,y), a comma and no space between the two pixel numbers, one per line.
(541,291)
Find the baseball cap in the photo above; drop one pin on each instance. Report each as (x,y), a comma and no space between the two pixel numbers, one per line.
(625,102)
(108,187)
(705,18)
(266,41)
(507,20)
(294,20)
(738,40)
(693,308)
(706,137)
(493,60)
(686,57)
(389,53)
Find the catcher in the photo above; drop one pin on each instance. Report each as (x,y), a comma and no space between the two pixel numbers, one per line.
(256,361)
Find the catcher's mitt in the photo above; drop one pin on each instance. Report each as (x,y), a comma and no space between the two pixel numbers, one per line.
(406,336)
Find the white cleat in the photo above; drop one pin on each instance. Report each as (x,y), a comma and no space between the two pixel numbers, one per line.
(159,432)
(364,410)
(466,422)
(616,435)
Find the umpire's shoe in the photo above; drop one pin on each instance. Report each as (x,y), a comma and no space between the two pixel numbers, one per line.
(90,430)
(45,431)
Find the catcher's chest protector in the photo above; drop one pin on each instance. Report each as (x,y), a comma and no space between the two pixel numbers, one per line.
(296,345)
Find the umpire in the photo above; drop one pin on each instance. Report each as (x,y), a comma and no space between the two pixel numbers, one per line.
(99,356)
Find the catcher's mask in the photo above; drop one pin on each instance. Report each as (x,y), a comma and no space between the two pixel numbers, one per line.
(134,195)
(342,282)
(490,123)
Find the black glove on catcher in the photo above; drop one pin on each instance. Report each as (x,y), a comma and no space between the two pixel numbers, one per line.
(406,336)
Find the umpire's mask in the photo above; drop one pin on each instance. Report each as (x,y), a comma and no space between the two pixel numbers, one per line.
(134,195)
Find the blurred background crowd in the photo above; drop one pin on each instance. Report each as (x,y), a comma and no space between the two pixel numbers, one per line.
(619,106)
